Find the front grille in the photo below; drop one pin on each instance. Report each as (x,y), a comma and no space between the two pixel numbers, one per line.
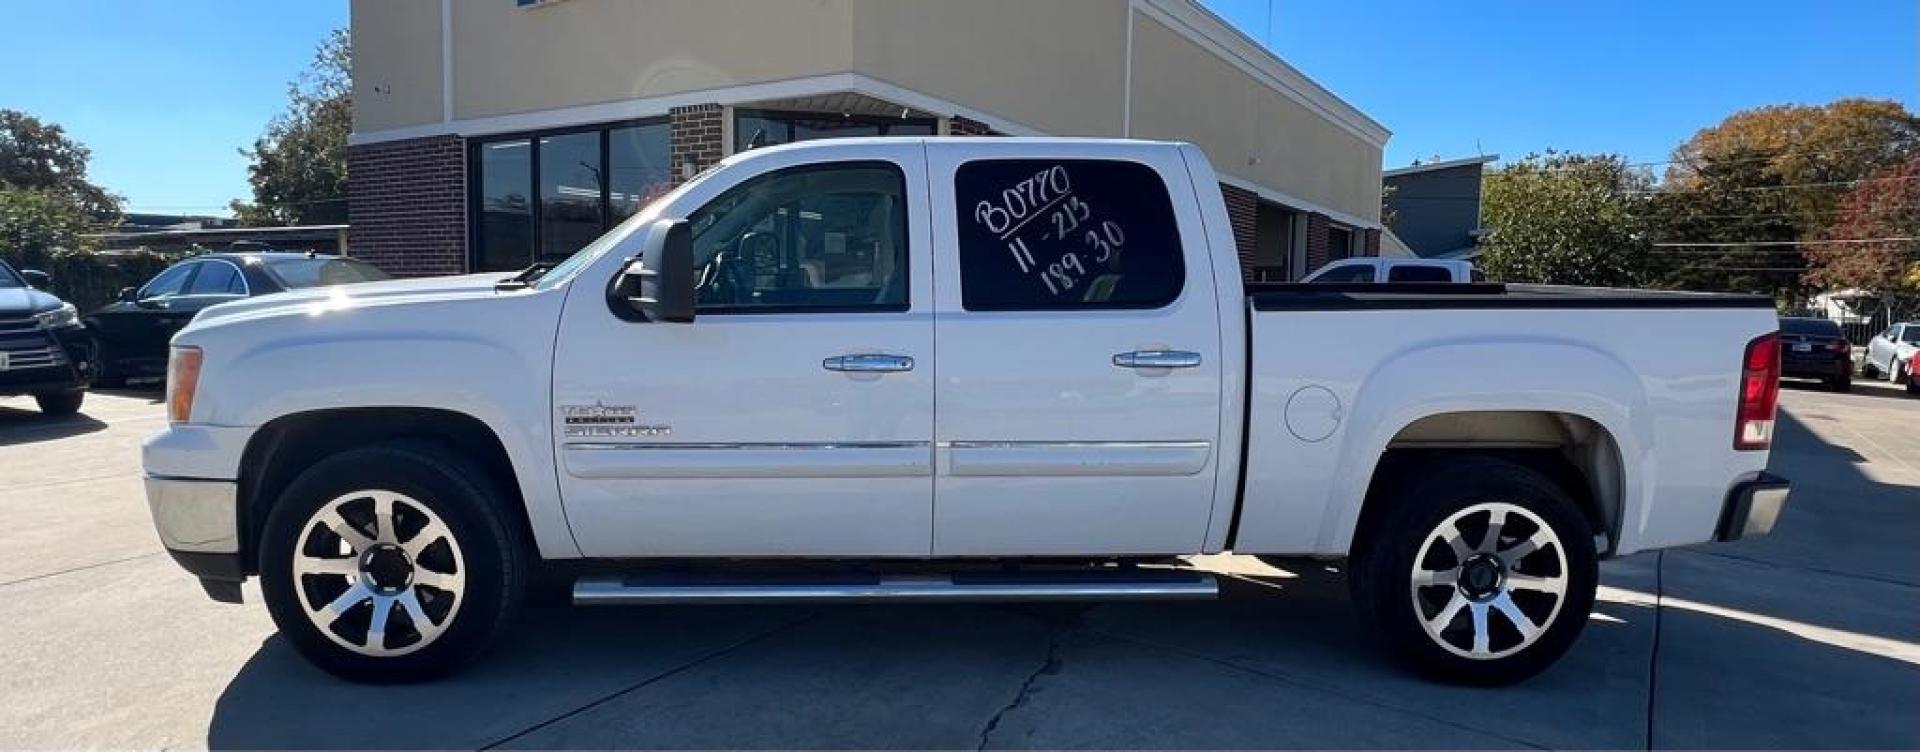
(45,356)
(27,345)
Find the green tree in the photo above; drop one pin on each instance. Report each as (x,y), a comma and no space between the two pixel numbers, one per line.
(1563,218)
(38,156)
(299,167)
(1874,228)
(1741,193)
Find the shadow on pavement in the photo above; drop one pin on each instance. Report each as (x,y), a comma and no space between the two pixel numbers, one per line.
(1754,648)
(28,425)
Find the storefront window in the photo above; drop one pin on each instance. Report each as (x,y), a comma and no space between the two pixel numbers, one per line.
(638,166)
(571,214)
(504,234)
(585,181)
(756,128)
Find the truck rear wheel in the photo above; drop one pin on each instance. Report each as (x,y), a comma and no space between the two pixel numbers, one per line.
(391,563)
(1480,571)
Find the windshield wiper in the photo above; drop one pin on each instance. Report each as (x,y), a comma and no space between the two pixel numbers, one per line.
(525,278)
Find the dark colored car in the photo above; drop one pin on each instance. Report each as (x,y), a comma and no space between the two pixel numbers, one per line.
(43,347)
(131,335)
(1815,349)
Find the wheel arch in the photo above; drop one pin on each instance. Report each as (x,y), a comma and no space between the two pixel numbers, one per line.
(1578,453)
(281,449)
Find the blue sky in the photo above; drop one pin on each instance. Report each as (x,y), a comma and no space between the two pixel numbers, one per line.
(166,92)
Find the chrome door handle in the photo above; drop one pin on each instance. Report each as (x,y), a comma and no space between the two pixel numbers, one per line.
(1157,359)
(869,363)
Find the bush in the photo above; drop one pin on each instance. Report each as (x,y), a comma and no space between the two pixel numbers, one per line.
(91,279)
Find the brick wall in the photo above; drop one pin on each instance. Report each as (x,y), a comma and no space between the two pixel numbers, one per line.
(1370,242)
(698,135)
(1318,253)
(961,126)
(407,204)
(1243,212)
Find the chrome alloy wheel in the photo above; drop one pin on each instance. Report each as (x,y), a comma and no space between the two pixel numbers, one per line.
(367,554)
(1489,581)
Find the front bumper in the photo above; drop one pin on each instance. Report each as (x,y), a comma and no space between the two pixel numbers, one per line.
(1752,507)
(199,524)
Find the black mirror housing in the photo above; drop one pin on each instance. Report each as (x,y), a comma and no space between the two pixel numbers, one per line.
(658,284)
(39,280)
(128,294)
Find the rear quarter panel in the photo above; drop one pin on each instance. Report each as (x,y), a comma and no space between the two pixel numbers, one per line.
(1662,383)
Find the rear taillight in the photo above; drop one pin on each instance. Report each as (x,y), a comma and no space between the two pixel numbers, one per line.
(1759,393)
(1842,346)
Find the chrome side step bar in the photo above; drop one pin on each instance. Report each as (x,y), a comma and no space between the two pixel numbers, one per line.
(955,588)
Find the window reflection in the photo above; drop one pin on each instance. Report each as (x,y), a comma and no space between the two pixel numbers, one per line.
(505,232)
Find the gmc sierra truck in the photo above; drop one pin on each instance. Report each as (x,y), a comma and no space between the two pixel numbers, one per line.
(949,370)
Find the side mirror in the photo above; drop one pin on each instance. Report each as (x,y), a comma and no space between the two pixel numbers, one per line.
(38,279)
(128,295)
(658,284)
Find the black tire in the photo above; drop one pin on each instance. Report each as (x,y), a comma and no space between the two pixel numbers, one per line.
(1841,383)
(1867,371)
(1897,374)
(492,552)
(1913,387)
(61,403)
(1384,558)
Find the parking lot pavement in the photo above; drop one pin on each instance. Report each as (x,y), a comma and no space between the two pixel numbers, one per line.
(1807,638)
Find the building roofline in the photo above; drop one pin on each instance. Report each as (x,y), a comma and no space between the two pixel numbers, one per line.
(1185,17)
(1194,21)
(1461,162)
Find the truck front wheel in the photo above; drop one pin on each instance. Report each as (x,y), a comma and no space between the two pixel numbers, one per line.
(391,562)
(1480,571)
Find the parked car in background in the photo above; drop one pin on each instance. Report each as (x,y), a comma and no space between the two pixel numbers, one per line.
(1816,349)
(1890,353)
(130,336)
(43,348)
(1376,269)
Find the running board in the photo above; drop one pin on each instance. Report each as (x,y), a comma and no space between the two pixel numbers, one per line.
(955,588)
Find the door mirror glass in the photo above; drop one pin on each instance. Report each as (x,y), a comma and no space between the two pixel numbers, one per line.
(658,284)
(39,280)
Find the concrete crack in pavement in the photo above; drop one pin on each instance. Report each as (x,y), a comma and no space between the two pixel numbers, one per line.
(1047,667)
(82,568)
(701,659)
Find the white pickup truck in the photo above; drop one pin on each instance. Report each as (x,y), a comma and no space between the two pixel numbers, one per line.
(949,369)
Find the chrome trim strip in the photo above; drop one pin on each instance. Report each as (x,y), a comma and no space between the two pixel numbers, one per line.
(1075,458)
(876,459)
(621,446)
(616,591)
(1076,444)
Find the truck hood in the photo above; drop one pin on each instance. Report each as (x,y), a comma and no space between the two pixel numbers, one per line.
(22,301)
(321,299)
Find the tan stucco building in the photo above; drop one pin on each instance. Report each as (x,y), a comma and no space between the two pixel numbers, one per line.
(492,133)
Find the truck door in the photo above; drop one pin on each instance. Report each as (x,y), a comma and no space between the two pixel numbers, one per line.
(794,415)
(1078,344)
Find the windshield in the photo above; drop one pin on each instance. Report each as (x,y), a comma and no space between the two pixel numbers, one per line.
(321,272)
(1815,327)
(8,279)
(580,259)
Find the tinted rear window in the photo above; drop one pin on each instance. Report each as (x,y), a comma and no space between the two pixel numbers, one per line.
(1816,327)
(1066,234)
(1419,273)
(320,272)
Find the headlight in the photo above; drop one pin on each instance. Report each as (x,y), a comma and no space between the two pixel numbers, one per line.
(183,379)
(65,315)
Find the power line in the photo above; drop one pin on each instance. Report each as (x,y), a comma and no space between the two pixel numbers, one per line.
(1786,242)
